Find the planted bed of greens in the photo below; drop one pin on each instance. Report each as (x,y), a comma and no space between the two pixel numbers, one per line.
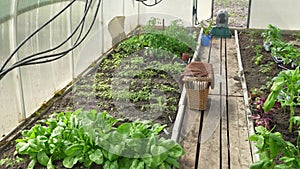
(93,138)
(120,115)
(271,66)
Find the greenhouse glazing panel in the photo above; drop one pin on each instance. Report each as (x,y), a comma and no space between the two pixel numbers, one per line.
(168,11)
(41,81)
(283,14)
(5,10)
(27,5)
(10,105)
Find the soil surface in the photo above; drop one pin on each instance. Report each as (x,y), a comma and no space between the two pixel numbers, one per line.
(257,78)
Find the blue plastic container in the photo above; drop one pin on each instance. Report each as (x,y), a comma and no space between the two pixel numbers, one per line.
(205,40)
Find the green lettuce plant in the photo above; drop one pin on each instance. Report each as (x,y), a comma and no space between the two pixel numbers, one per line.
(91,137)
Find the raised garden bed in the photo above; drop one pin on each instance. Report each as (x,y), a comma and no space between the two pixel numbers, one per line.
(259,70)
(137,84)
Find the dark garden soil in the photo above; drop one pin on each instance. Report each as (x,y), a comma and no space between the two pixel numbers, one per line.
(257,78)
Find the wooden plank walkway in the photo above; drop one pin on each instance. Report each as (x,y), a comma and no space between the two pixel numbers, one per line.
(223,126)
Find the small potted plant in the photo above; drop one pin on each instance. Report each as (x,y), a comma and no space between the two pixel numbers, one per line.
(205,38)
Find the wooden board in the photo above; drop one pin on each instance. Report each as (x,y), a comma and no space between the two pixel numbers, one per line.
(224,137)
(189,137)
(240,155)
(214,150)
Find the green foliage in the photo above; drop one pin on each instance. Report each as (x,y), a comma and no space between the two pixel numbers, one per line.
(296,121)
(259,56)
(265,68)
(253,34)
(206,27)
(286,52)
(90,137)
(132,44)
(285,89)
(272,146)
(63,138)
(224,3)
(10,162)
(272,34)
(154,41)
(297,35)
(283,51)
(174,32)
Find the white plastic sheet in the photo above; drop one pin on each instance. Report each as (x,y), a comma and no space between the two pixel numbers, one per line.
(283,14)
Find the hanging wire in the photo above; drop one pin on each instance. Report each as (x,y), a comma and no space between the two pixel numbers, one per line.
(35,32)
(66,40)
(32,60)
(150,5)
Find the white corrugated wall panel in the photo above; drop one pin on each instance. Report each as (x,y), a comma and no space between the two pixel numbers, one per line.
(100,40)
(61,69)
(131,10)
(10,106)
(168,10)
(83,58)
(283,14)
(204,9)
(41,81)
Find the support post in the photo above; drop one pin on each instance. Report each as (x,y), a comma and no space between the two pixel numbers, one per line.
(13,44)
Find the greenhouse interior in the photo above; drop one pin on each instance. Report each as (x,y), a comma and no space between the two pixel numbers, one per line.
(150,84)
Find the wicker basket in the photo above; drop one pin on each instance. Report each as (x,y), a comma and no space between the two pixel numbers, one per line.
(197,89)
